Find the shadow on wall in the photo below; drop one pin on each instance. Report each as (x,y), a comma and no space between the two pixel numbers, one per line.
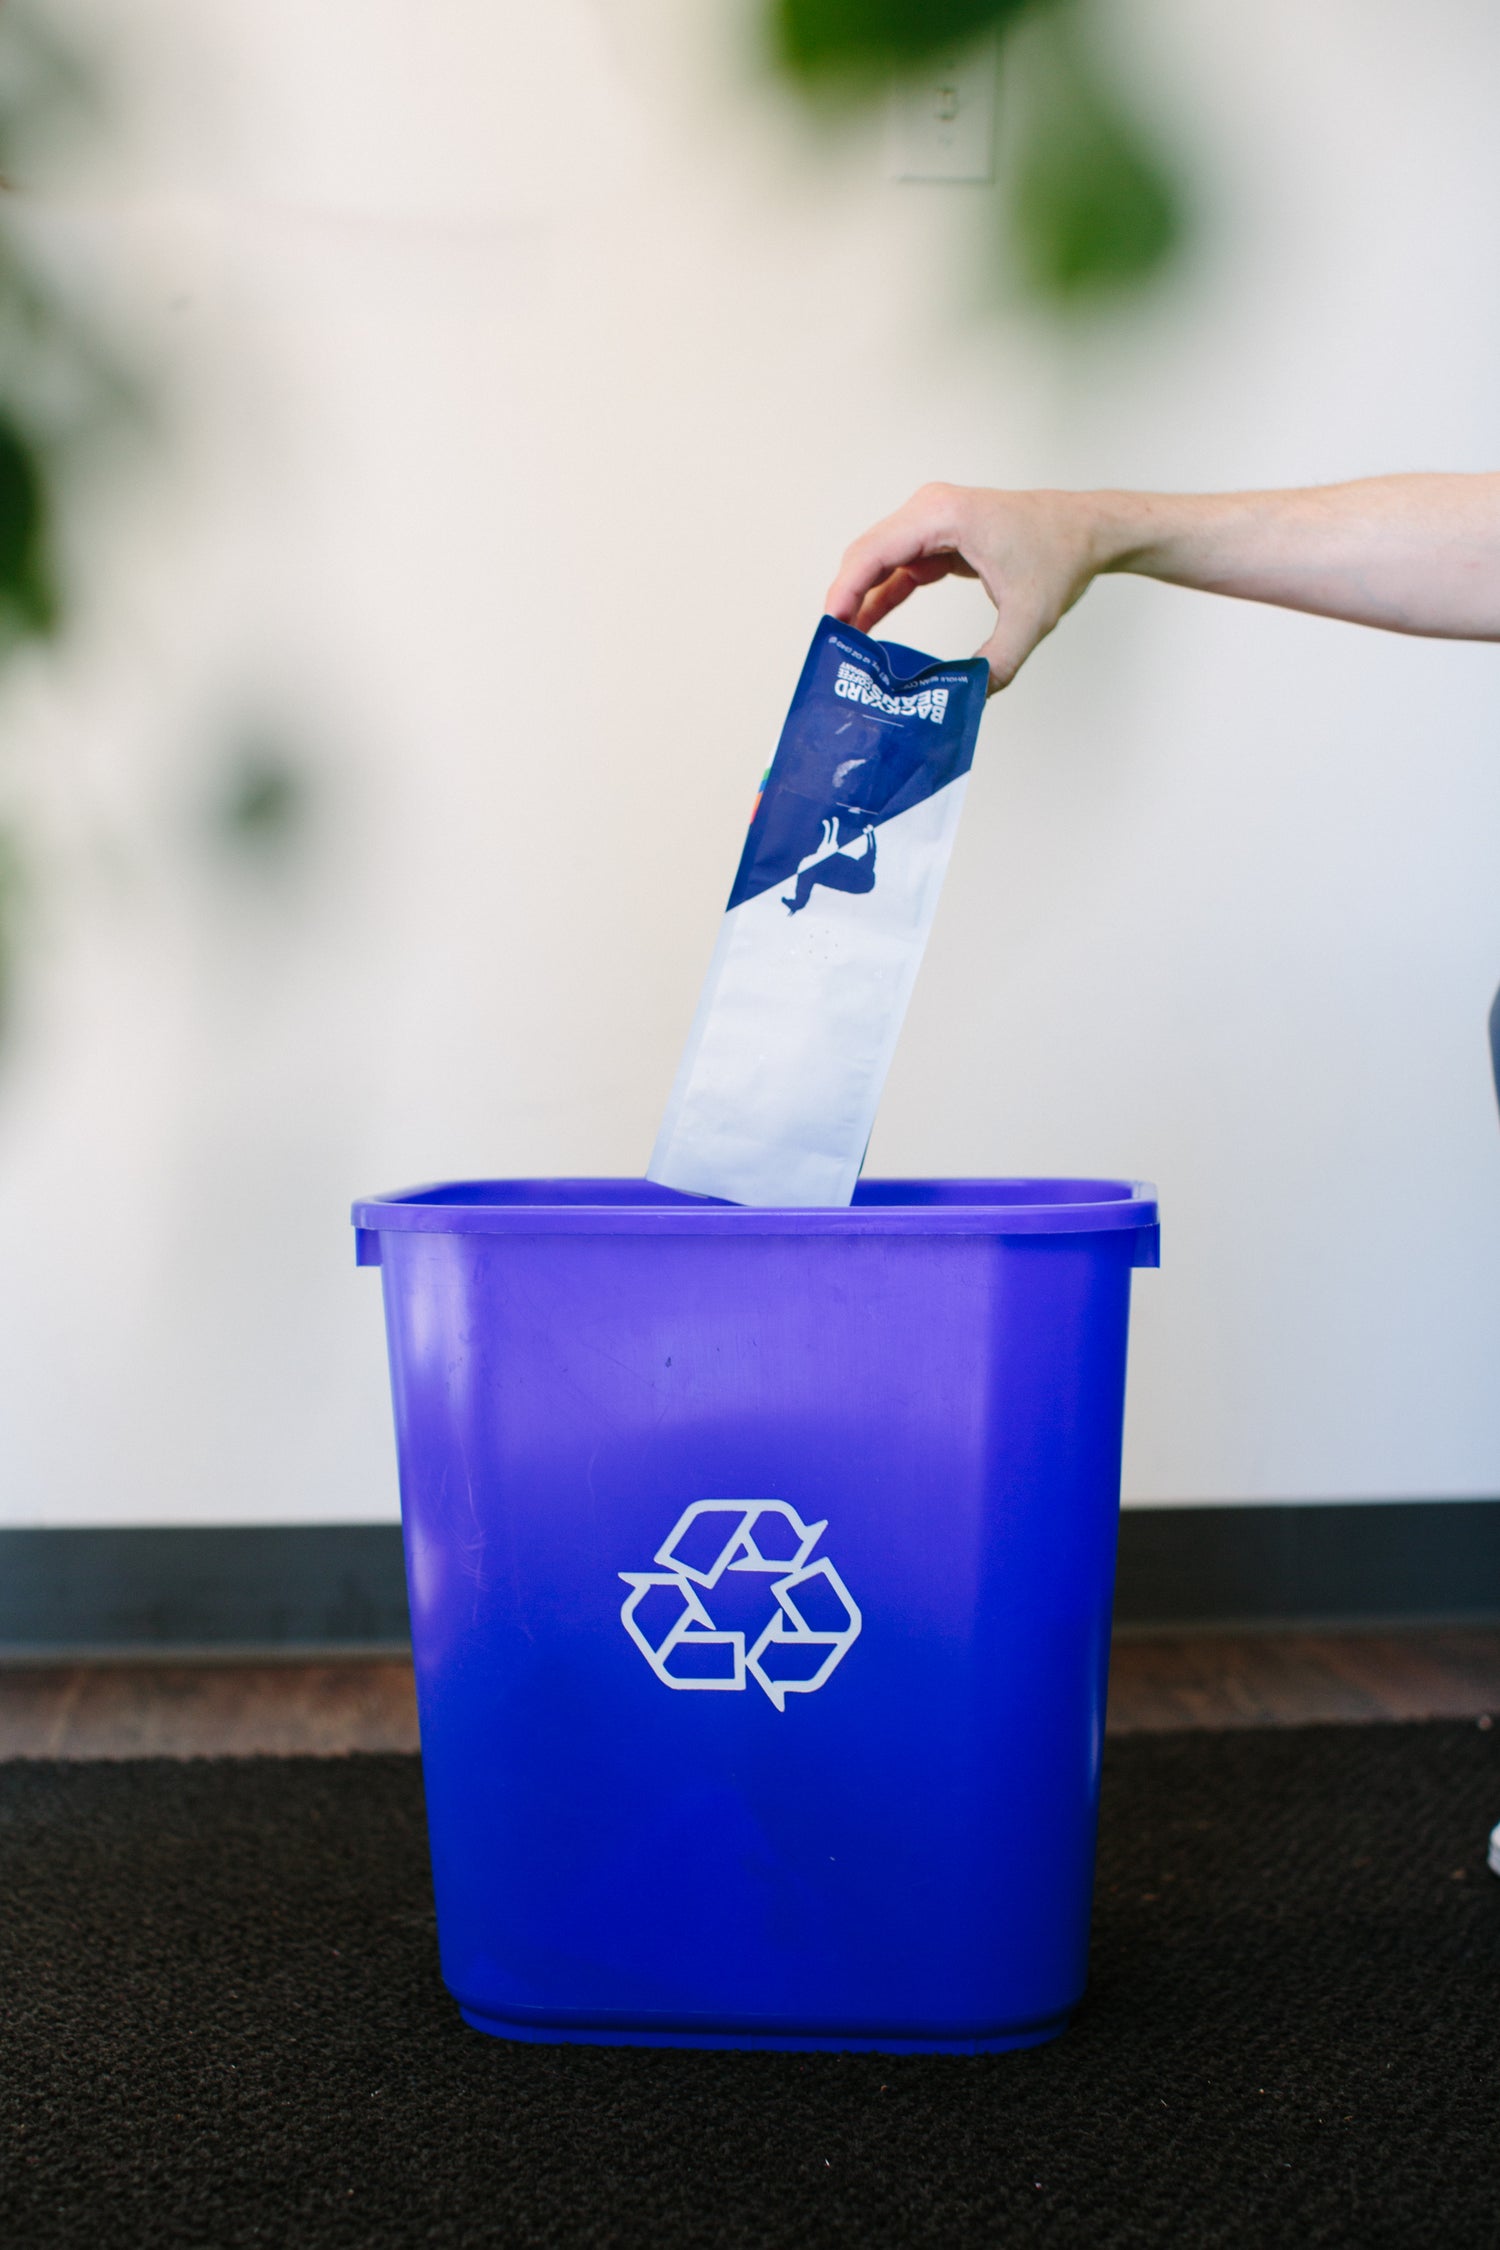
(1093,208)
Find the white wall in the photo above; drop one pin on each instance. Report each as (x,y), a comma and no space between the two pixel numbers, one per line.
(522,372)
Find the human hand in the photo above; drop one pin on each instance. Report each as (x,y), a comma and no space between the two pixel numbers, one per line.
(1033,552)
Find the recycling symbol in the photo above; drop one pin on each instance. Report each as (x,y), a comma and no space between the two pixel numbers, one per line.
(790,1630)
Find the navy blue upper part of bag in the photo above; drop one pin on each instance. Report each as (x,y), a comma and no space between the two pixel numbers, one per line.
(873,729)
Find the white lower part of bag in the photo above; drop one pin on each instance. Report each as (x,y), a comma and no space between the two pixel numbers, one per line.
(799,1016)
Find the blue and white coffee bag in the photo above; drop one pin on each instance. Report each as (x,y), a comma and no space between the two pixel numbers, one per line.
(849,842)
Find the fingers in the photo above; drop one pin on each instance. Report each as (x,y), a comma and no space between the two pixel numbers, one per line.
(908,542)
(880,601)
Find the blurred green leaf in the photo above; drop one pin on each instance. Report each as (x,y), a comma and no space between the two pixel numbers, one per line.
(47,90)
(28,591)
(819,40)
(1093,208)
(59,386)
(264,803)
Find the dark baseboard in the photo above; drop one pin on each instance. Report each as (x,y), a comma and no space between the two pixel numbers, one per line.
(339,1589)
(1340,1563)
(1303,1564)
(262,1589)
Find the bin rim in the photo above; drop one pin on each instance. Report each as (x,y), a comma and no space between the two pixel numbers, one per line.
(1000,1206)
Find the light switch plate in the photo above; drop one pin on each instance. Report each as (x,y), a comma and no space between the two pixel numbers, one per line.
(940,123)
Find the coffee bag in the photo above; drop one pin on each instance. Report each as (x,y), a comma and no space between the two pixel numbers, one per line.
(820,945)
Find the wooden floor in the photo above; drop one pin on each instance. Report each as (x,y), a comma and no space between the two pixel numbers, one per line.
(150,1710)
(140,1710)
(1292,1679)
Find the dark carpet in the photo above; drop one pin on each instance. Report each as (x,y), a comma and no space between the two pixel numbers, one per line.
(222,2026)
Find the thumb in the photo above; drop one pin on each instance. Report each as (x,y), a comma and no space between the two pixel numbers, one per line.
(1016,634)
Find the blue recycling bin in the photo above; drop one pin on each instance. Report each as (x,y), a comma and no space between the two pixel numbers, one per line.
(761,1566)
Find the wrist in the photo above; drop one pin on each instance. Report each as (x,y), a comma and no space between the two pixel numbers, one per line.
(1133,531)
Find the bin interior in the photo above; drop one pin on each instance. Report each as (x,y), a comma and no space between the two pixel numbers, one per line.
(645,1195)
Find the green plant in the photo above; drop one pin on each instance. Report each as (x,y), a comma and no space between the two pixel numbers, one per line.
(1092,206)
(28,586)
(58,385)
(59,388)
(821,39)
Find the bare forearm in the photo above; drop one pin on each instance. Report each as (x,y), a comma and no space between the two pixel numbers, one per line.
(1413,554)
